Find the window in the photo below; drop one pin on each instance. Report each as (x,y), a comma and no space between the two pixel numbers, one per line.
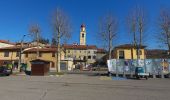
(26,55)
(121,55)
(53,54)
(68,56)
(53,66)
(140,52)
(89,57)
(94,57)
(40,54)
(6,54)
(94,52)
(68,51)
(80,51)
(84,58)
(82,35)
(88,51)
(17,54)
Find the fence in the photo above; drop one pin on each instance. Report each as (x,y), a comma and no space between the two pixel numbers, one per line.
(152,66)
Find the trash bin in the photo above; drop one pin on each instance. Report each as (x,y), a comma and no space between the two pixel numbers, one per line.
(23,67)
(81,68)
(39,67)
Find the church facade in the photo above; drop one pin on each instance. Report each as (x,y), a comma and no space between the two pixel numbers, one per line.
(82,54)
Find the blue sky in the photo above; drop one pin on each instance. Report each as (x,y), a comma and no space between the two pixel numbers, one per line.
(17,15)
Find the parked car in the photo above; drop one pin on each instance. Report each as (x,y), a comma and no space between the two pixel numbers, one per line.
(5,71)
(140,73)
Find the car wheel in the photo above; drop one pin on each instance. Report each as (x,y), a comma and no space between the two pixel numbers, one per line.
(138,77)
(146,78)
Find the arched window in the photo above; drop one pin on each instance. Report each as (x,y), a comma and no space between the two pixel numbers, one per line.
(82,35)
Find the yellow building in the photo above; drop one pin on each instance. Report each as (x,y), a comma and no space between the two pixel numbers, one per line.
(128,51)
(47,54)
(11,55)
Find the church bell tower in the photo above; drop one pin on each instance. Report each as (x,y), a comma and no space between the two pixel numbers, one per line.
(82,35)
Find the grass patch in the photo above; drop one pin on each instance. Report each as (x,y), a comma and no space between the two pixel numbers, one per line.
(56,73)
(60,73)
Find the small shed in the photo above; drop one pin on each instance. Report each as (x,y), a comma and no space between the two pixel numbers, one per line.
(39,67)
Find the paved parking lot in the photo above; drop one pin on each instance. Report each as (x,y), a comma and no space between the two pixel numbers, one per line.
(81,87)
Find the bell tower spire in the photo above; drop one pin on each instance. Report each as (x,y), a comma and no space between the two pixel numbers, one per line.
(82,35)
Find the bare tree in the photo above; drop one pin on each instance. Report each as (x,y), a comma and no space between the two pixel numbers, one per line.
(61,32)
(44,40)
(35,33)
(108,27)
(53,41)
(132,27)
(164,27)
(136,23)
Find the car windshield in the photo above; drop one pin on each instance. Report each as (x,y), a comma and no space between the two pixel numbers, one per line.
(140,70)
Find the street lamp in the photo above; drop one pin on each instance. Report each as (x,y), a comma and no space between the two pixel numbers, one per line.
(168,48)
(20,54)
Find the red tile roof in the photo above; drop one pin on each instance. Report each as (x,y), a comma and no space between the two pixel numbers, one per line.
(100,50)
(7,42)
(41,50)
(125,46)
(70,46)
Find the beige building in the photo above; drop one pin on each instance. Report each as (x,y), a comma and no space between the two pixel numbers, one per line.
(81,54)
(101,53)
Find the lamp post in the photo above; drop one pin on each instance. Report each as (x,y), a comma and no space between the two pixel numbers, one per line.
(168,57)
(20,54)
(168,53)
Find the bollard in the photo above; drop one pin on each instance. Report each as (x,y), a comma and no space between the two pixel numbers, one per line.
(117,75)
(131,75)
(162,74)
(109,74)
(124,74)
